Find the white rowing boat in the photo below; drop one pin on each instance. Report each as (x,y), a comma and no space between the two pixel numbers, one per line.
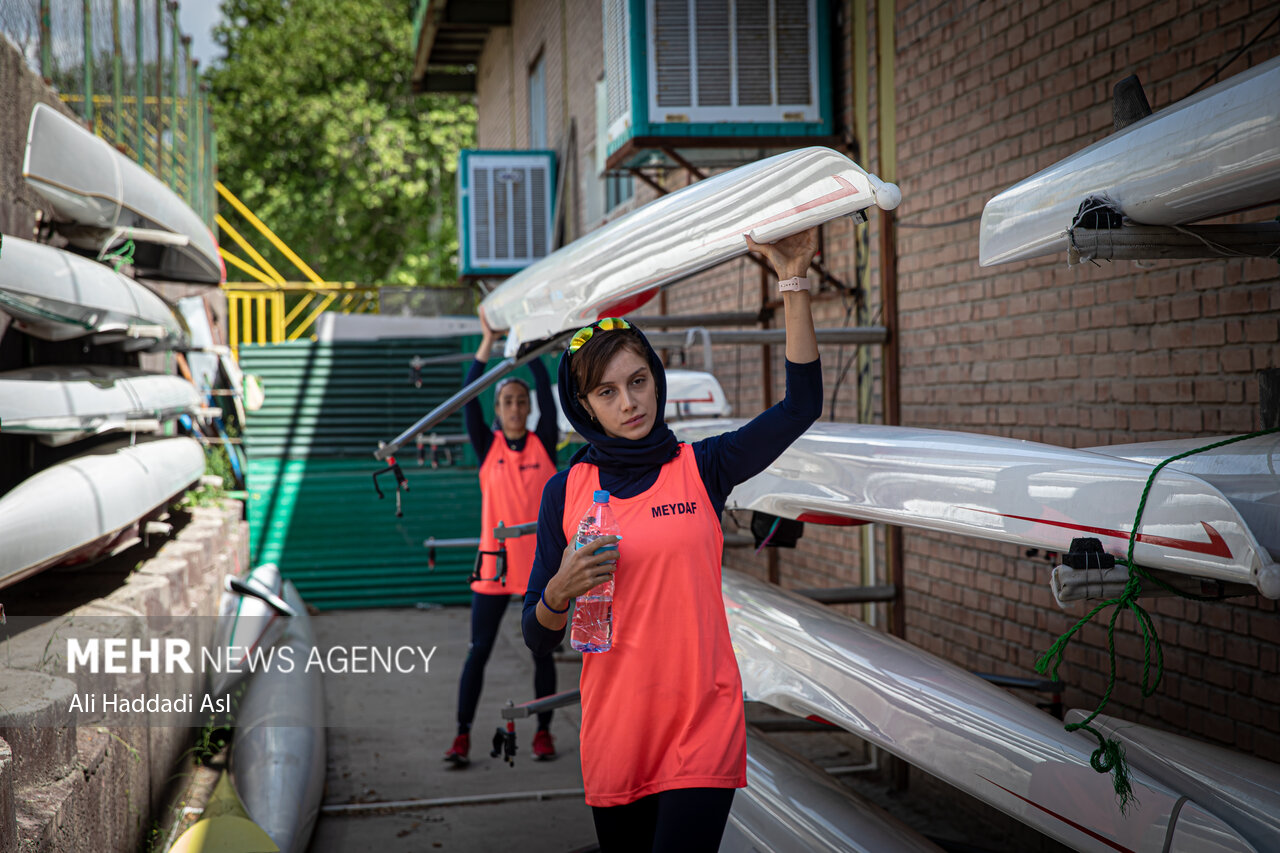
(107,198)
(790,806)
(1213,153)
(617,268)
(1244,790)
(695,394)
(57,296)
(61,404)
(1015,491)
(278,749)
(807,660)
(77,509)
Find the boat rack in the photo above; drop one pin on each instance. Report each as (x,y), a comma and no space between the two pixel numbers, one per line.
(1039,685)
(850,594)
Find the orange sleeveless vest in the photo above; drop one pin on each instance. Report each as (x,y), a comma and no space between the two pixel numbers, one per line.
(511,489)
(663,708)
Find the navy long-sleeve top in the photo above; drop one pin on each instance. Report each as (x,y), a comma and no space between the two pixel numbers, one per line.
(723,461)
(482,436)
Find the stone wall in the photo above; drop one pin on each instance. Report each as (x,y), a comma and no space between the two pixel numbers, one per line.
(94,785)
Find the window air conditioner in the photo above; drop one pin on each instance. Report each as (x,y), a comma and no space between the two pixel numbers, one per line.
(506,201)
(716,68)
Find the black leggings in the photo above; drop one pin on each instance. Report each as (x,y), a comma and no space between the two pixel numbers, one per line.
(685,820)
(486,614)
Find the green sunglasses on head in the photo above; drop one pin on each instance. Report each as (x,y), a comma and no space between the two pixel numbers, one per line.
(605,324)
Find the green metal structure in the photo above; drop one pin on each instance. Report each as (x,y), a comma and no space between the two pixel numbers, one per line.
(312,506)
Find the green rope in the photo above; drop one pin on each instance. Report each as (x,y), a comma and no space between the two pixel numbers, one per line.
(1109,756)
(121,256)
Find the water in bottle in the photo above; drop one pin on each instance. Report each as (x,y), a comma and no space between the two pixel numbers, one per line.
(593,612)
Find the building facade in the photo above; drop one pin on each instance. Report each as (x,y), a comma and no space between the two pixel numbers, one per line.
(978,97)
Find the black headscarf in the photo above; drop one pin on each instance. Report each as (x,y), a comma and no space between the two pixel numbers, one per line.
(620,455)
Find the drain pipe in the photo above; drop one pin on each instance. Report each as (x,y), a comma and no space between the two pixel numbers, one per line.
(377,807)
(888,170)
(700,331)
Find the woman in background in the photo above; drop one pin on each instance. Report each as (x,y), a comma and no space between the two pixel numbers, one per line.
(514,466)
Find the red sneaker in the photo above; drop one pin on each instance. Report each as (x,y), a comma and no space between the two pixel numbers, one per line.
(458,752)
(544,746)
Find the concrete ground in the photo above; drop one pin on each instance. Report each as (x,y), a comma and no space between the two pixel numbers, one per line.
(389,731)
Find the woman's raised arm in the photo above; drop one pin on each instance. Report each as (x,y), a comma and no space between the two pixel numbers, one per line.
(790,258)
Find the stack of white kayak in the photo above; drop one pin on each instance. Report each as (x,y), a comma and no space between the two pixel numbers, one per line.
(83,507)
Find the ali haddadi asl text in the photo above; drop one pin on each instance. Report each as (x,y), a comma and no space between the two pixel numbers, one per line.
(114,703)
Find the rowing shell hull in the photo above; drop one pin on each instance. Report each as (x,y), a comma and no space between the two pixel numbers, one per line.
(1007,490)
(1213,153)
(76,509)
(1243,789)
(278,750)
(1245,473)
(791,806)
(617,268)
(63,404)
(807,660)
(90,184)
(58,296)
(246,625)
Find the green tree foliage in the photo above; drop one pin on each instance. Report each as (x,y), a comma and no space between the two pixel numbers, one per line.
(319,134)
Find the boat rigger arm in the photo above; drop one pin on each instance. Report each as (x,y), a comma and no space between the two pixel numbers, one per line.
(468,393)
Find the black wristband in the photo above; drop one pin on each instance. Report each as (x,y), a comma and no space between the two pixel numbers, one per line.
(549,607)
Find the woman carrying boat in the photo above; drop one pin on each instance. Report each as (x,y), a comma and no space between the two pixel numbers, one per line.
(514,466)
(663,736)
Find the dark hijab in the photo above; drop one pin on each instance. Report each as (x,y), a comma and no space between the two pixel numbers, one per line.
(619,455)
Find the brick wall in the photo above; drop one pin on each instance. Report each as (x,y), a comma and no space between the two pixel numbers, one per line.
(1081,356)
(988,94)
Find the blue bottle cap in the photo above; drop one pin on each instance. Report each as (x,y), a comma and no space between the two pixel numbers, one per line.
(601,496)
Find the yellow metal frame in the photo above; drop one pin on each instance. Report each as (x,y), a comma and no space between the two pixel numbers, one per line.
(271,310)
(272,313)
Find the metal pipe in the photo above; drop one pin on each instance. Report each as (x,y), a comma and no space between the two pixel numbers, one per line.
(87,76)
(455,358)
(117,73)
(159,90)
(680,321)
(46,39)
(1042,685)
(766,337)
(466,395)
(174,38)
(543,703)
(139,93)
(395,805)
(432,542)
(701,331)
(850,594)
(515,531)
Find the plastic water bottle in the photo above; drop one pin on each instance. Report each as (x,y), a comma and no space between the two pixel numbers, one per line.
(593,613)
